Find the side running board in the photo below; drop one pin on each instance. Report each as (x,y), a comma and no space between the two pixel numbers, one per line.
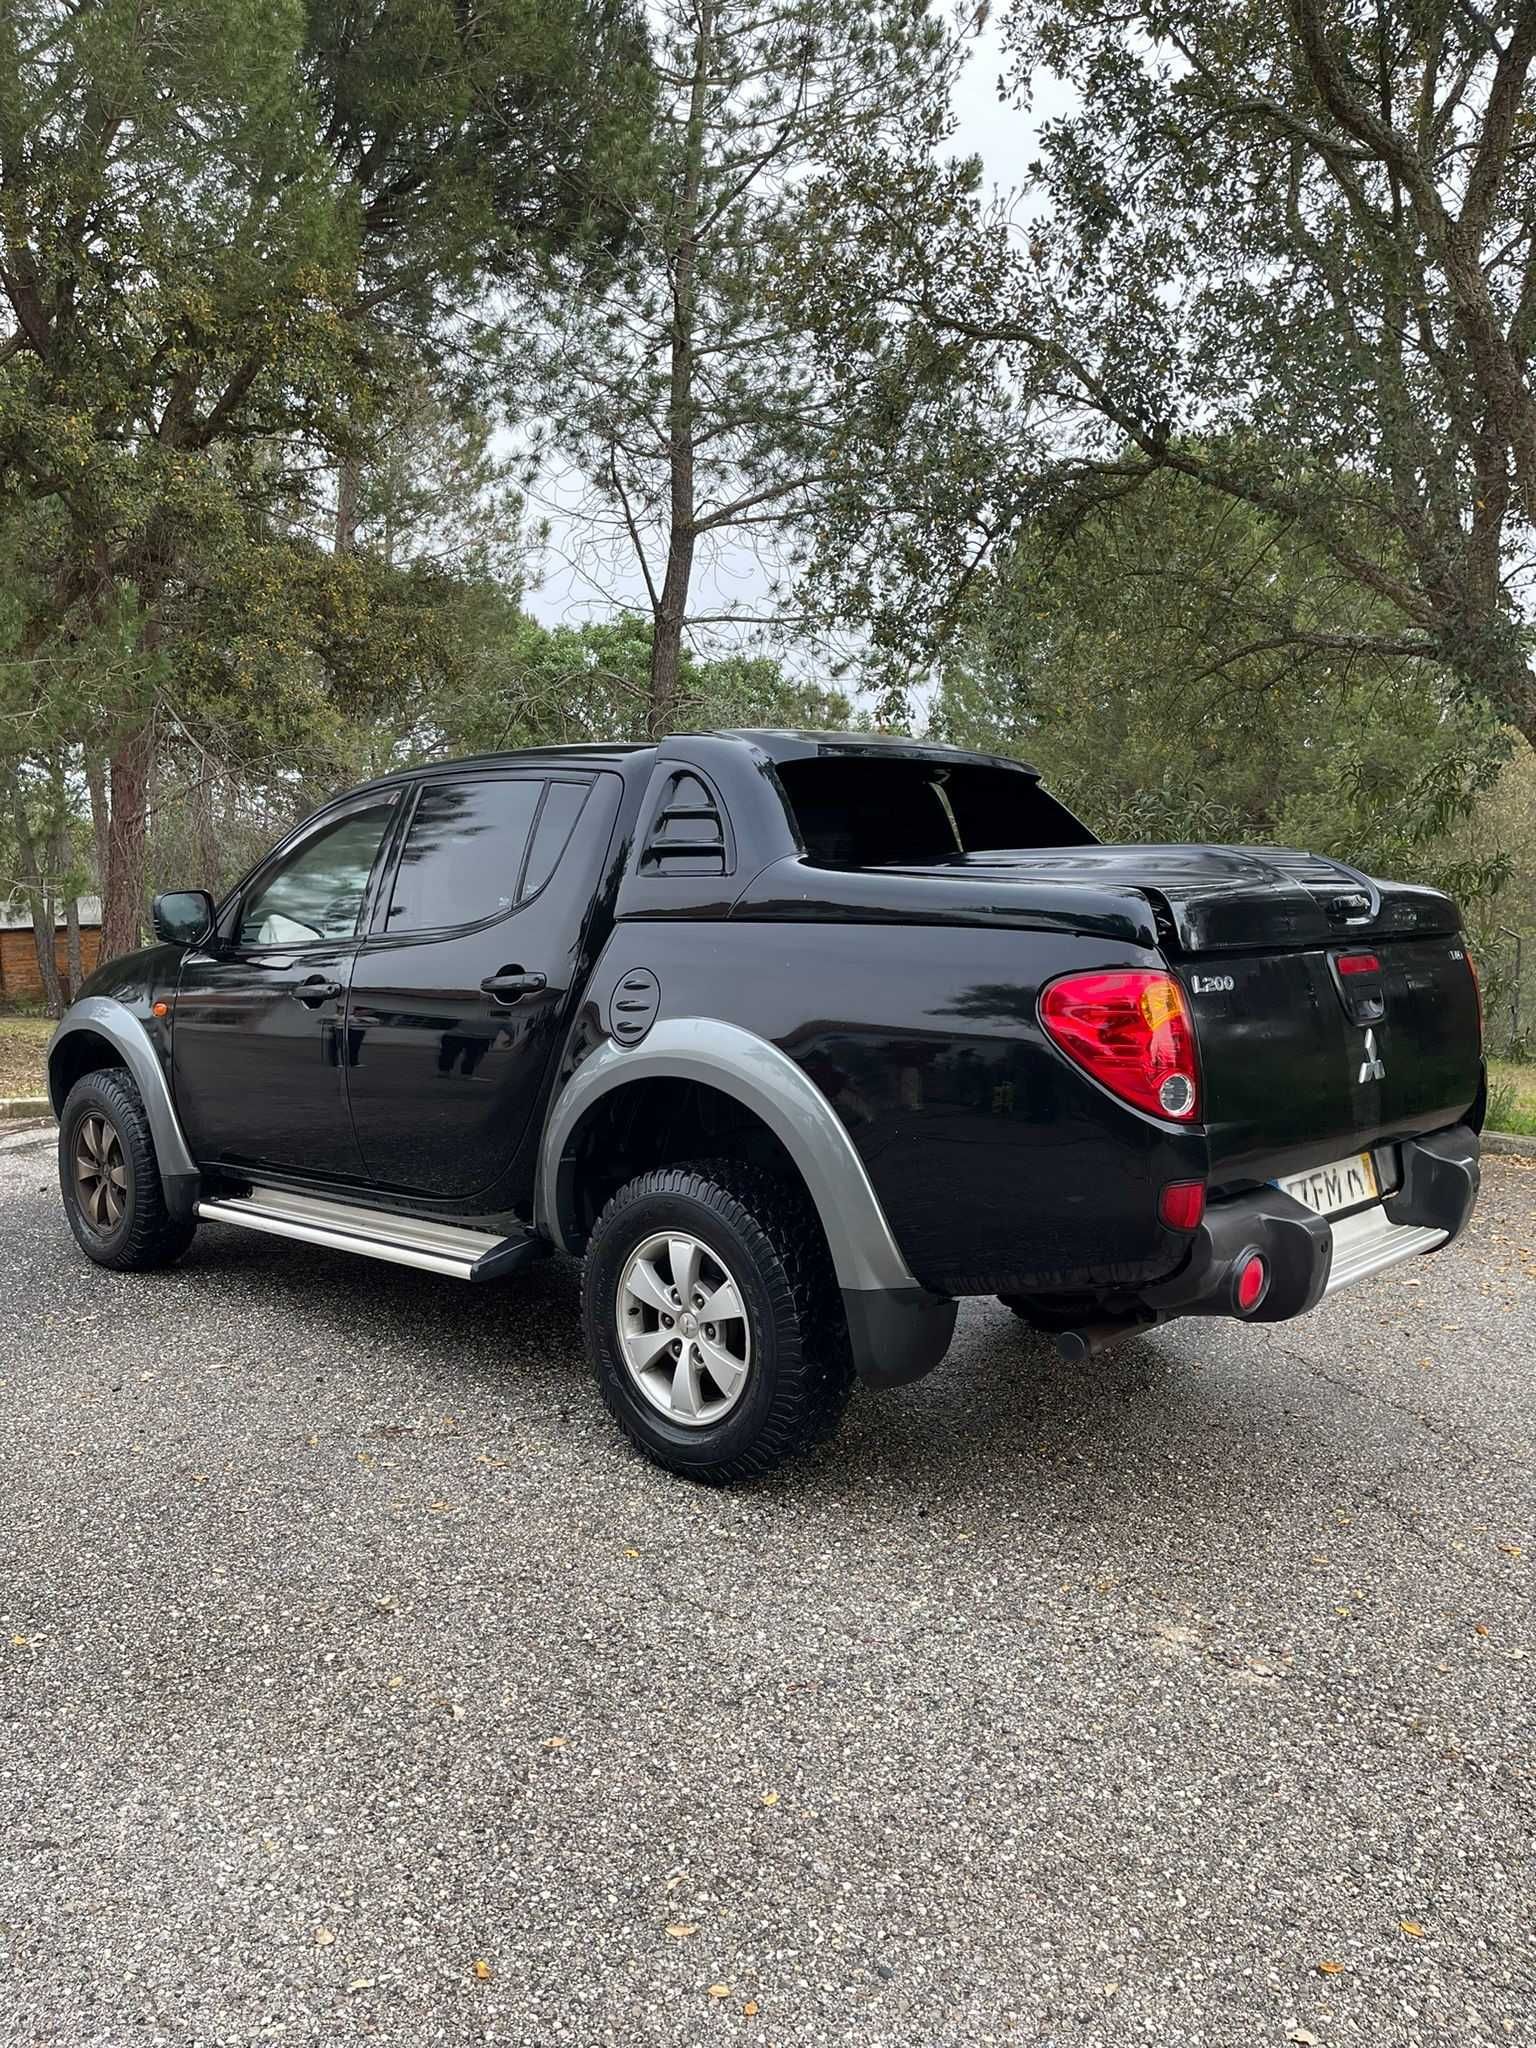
(376,1234)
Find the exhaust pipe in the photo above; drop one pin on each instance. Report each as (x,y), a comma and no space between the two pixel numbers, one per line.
(1074,1346)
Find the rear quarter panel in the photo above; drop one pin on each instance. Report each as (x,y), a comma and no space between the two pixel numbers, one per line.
(1000,1167)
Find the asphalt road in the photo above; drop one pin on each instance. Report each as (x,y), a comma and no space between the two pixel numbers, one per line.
(356,1683)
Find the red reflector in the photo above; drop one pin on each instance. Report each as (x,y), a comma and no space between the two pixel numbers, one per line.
(1251,1283)
(1182,1204)
(1477,990)
(1359,963)
(1130,1029)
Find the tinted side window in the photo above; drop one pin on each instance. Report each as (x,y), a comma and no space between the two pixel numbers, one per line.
(463,854)
(562,807)
(318,891)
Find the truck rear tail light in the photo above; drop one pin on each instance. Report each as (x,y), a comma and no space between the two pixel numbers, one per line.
(1252,1283)
(1182,1204)
(1477,990)
(1130,1029)
(1359,963)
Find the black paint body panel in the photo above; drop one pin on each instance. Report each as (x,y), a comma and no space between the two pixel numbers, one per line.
(999,1166)
(907,991)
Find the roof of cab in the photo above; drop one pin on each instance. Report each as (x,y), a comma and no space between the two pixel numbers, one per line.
(776,744)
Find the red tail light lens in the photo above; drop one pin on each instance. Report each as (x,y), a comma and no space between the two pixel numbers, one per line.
(1359,963)
(1131,1029)
(1182,1204)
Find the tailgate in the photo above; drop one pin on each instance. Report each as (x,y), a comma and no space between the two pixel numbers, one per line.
(1299,1069)
(1301,1064)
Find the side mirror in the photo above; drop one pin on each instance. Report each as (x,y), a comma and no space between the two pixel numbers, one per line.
(182,916)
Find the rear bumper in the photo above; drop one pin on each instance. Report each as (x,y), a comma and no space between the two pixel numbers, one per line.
(1308,1257)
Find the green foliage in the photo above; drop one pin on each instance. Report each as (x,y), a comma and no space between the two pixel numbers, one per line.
(1127,661)
(1286,257)
(683,393)
(529,685)
(236,238)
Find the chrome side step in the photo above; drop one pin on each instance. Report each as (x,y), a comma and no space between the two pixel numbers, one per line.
(1366,1244)
(375,1233)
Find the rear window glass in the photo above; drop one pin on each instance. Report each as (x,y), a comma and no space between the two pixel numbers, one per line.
(562,807)
(869,812)
(463,854)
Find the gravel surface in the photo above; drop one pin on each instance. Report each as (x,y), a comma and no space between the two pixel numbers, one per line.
(356,1683)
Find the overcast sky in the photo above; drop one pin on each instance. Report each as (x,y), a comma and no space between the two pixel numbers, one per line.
(1003,137)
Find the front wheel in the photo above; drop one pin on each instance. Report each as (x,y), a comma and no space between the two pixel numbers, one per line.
(110,1180)
(713,1320)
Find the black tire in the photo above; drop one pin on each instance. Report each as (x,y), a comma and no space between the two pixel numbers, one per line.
(766,1236)
(141,1234)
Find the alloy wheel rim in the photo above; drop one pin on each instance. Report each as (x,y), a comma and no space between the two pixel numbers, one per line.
(683,1329)
(101,1173)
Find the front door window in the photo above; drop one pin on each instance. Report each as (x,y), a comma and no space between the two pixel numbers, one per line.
(318,892)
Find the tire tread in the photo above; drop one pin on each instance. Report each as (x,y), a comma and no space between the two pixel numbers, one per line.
(815,1378)
(154,1237)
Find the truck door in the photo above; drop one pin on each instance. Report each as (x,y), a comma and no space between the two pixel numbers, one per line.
(461,990)
(255,1040)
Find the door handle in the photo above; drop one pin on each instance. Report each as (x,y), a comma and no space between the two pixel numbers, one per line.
(315,990)
(511,984)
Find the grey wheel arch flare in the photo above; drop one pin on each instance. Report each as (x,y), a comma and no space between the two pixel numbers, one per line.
(899,1331)
(104,1017)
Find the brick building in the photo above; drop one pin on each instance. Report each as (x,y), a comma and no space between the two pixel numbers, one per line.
(20,981)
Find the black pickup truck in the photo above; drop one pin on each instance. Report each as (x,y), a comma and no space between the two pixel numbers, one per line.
(796,1037)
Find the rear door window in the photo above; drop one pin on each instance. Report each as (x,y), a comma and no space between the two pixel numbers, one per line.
(557,819)
(463,856)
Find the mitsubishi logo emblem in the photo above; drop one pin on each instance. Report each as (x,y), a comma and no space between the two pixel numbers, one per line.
(1371,1067)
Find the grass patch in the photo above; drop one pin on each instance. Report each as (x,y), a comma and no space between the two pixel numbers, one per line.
(1512,1098)
(22,1042)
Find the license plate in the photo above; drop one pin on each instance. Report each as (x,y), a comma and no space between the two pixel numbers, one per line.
(1327,1189)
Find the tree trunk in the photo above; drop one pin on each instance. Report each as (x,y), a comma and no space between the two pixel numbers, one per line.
(72,941)
(44,938)
(39,901)
(667,633)
(671,611)
(101,811)
(349,477)
(122,904)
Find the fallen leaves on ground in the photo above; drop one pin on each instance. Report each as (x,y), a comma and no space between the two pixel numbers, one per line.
(483,1971)
(770,1799)
(1412,1927)
(681,1929)
(719,1990)
(1329,1969)
(324,1936)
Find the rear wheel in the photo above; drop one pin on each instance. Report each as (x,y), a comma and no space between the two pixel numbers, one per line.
(110,1180)
(713,1320)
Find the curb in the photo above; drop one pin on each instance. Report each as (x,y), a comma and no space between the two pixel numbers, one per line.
(26,1105)
(1511,1146)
